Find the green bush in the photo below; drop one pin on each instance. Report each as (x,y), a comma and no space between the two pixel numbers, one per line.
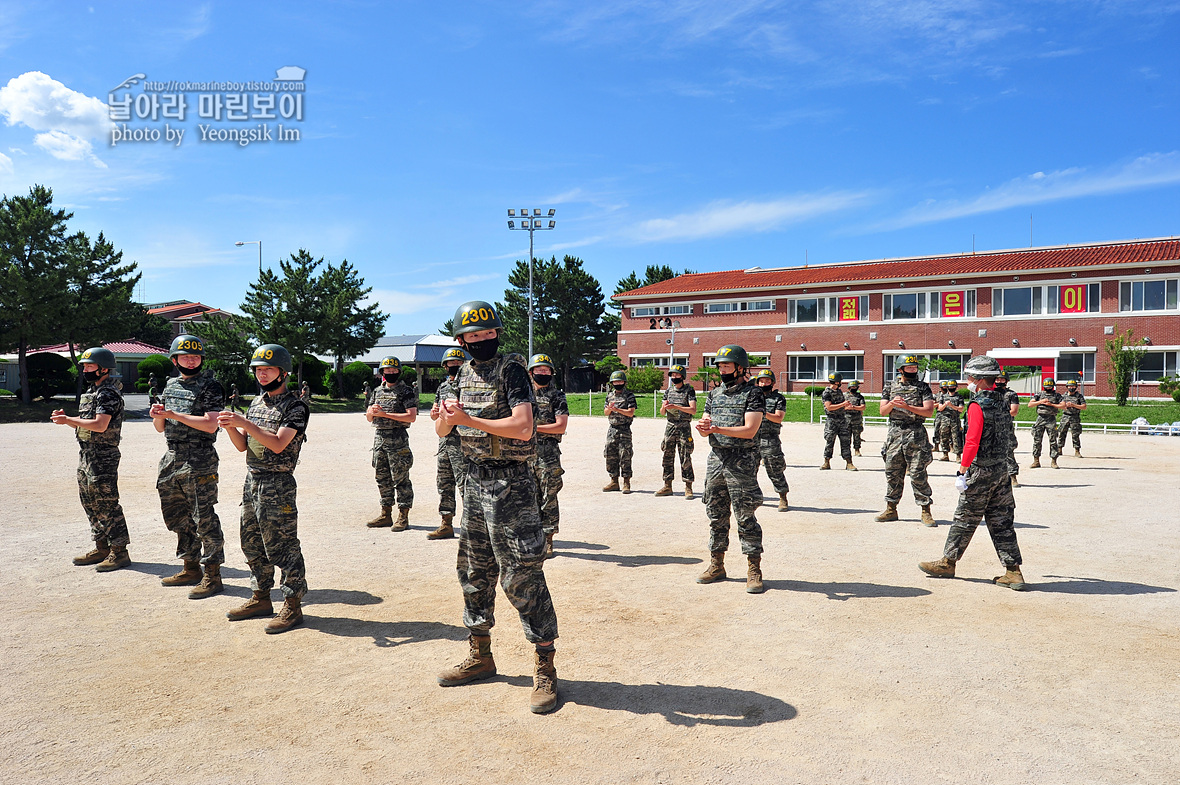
(814,390)
(645,379)
(608,365)
(50,374)
(355,375)
(158,364)
(965,394)
(6,392)
(315,373)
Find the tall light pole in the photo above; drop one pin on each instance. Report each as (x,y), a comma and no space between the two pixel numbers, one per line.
(673,325)
(531,223)
(240,243)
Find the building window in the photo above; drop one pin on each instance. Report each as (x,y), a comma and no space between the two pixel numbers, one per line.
(810,310)
(670,310)
(638,361)
(753,305)
(807,368)
(645,311)
(933,374)
(1156,365)
(1077,366)
(1148,295)
(953,304)
(805,311)
(1038,300)
(720,307)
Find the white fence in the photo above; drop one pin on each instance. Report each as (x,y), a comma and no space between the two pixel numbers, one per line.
(1135,429)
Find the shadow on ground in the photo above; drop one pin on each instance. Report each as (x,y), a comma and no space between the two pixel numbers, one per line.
(1075,585)
(831,510)
(847,590)
(386,633)
(627,561)
(340,597)
(164,570)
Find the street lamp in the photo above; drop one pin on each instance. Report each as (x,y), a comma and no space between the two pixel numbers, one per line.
(240,243)
(531,223)
(673,325)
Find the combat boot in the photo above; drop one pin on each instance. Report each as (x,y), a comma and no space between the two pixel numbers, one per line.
(1036,464)
(688,490)
(613,485)
(257,605)
(666,490)
(1077,453)
(888,514)
(478,665)
(827,464)
(189,576)
(210,584)
(1053,463)
(544,697)
(754,575)
(626,485)
(549,545)
(1011,578)
(1015,482)
(782,502)
(445,530)
(117,559)
(289,617)
(958,457)
(927,518)
(946,456)
(403,519)
(943,568)
(384,519)
(856,453)
(716,570)
(93,556)
(848,467)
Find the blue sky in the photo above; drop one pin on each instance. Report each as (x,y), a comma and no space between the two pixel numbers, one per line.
(702,135)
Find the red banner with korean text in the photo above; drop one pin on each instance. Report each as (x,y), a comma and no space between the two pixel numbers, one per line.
(1073,298)
(849,309)
(954,303)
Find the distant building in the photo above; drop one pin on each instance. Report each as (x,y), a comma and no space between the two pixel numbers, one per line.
(416,351)
(181,312)
(128,355)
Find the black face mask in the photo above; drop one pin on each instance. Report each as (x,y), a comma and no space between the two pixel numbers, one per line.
(619,387)
(909,375)
(677,381)
(90,376)
(273,385)
(729,377)
(190,371)
(543,379)
(453,370)
(391,378)
(483,351)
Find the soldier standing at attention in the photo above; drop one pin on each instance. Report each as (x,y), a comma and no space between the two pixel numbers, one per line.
(99,427)
(733,415)
(501,534)
(1047,403)
(679,406)
(271,434)
(1012,399)
(907,402)
(770,446)
(392,407)
(619,410)
(856,414)
(187,479)
(982,480)
(451,468)
(553,413)
(948,432)
(1071,418)
(836,425)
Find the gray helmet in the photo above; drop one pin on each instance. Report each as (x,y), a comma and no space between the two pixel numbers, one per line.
(390,362)
(983,367)
(765,373)
(187,344)
(732,353)
(473,317)
(836,378)
(454,354)
(103,358)
(852,385)
(905,359)
(271,354)
(541,359)
(618,376)
(680,369)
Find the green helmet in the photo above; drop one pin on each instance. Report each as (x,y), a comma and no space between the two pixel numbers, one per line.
(765,373)
(1049,383)
(454,354)
(905,359)
(984,367)
(852,385)
(103,358)
(271,354)
(1002,376)
(473,317)
(1071,383)
(618,376)
(391,362)
(836,378)
(952,384)
(680,369)
(187,344)
(732,353)
(541,359)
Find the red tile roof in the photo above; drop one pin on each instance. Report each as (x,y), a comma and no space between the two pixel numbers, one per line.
(1032,259)
(187,307)
(118,347)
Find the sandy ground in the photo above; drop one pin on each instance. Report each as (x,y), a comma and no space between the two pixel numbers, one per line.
(853,667)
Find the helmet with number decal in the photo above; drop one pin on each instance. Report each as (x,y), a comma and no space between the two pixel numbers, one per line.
(680,369)
(905,359)
(732,353)
(1072,383)
(1002,376)
(984,367)
(1048,384)
(852,385)
(103,358)
(454,354)
(391,362)
(836,378)
(618,376)
(765,373)
(271,354)
(474,317)
(952,384)
(187,344)
(541,359)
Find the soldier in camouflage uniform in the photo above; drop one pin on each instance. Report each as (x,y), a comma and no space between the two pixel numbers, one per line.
(392,407)
(856,414)
(619,410)
(733,415)
(452,469)
(982,479)
(99,427)
(1047,403)
(1071,418)
(271,434)
(836,424)
(502,535)
(907,402)
(553,413)
(679,406)
(187,479)
(1012,399)
(770,446)
(948,431)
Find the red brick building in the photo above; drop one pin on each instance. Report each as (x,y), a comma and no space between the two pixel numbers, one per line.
(1048,308)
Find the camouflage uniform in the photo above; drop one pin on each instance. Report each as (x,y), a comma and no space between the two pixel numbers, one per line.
(98,466)
(989,491)
(1071,421)
(1010,397)
(619,450)
(948,428)
(856,420)
(452,469)
(187,479)
(731,474)
(770,446)
(270,536)
(1046,421)
(546,464)
(678,434)
(501,534)
(391,445)
(907,447)
(836,426)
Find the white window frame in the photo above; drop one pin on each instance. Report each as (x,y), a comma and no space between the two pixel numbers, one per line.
(731,306)
(658,360)
(1049,295)
(826,362)
(1129,287)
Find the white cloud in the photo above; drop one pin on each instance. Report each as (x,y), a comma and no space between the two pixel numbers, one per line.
(721,218)
(6,169)
(61,145)
(460,281)
(42,103)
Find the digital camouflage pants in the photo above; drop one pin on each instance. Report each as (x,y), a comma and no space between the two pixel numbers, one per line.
(1039,428)
(270,536)
(770,454)
(187,484)
(392,459)
(1070,426)
(502,540)
(907,450)
(98,489)
(677,436)
(988,497)
(452,472)
(948,434)
(1013,466)
(857,428)
(731,481)
(837,428)
(547,472)
(618,451)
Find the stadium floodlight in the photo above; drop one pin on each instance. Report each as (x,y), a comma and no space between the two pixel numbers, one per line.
(530,226)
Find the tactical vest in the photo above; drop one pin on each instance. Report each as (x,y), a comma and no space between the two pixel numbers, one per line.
(87,410)
(912,394)
(856,399)
(1077,398)
(482,393)
(623,400)
(776,402)
(835,396)
(547,398)
(1048,411)
(727,408)
(267,414)
(948,398)
(447,389)
(184,397)
(392,400)
(997,429)
(683,396)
